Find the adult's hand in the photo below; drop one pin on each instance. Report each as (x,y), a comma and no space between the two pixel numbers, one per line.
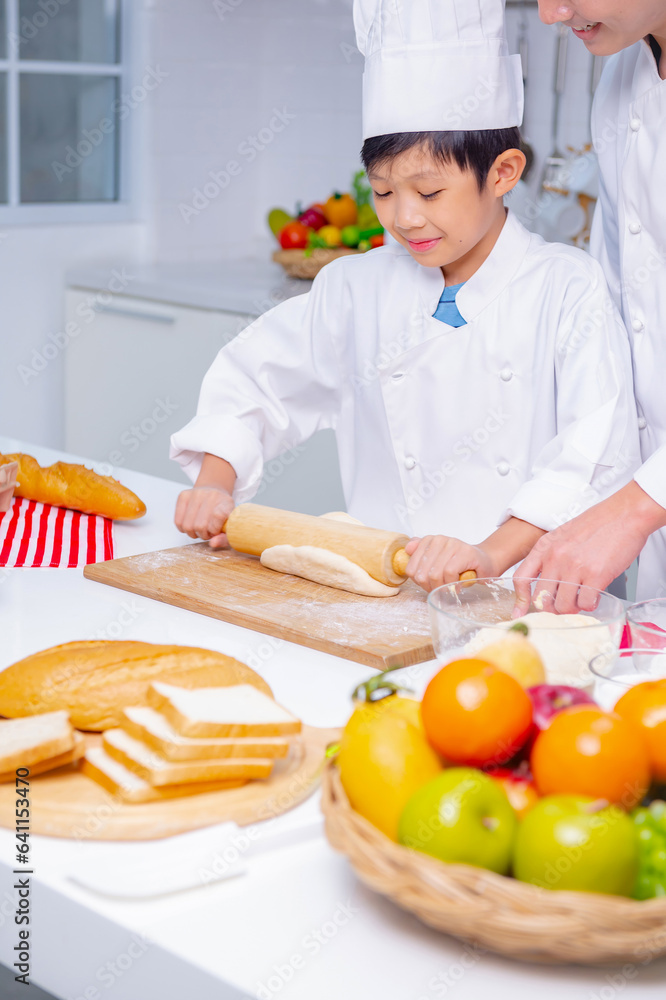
(588,552)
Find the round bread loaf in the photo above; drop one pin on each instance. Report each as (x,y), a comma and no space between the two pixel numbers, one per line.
(94,680)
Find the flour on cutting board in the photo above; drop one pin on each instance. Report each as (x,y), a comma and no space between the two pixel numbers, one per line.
(350,620)
(156,560)
(150,561)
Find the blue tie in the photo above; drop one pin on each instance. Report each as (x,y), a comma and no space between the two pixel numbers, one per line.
(447,311)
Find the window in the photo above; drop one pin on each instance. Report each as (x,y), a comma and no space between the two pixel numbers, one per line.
(62,133)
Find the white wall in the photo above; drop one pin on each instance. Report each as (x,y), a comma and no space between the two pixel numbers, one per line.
(228,71)
(231,62)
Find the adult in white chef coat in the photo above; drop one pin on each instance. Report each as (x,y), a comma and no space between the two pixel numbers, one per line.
(629,239)
(484,426)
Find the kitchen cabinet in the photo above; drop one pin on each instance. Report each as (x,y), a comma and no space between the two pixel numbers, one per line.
(133,371)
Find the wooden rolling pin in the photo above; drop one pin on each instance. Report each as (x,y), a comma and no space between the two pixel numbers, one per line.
(252,528)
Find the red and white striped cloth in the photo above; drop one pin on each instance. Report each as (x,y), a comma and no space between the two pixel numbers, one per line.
(38,535)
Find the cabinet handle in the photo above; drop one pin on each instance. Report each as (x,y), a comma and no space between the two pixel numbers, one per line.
(152,317)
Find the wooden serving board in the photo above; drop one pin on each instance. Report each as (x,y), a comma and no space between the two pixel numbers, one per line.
(66,803)
(381,632)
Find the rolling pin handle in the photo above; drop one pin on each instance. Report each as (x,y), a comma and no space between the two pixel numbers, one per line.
(400,560)
(399,563)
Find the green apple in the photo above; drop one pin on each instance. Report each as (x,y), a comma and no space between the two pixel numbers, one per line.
(575,842)
(462,816)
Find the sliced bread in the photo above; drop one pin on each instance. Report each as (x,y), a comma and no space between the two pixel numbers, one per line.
(155,769)
(24,742)
(152,728)
(238,710)
(129,787)
(51,763)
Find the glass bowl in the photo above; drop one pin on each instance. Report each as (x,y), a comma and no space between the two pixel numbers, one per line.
(614,675)
(466,616)
(647,624)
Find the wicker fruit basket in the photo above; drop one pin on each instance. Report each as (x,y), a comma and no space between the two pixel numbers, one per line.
(495,912)
(297,265)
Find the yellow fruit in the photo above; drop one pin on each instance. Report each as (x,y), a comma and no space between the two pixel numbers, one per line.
(332,235)
(384,758)
(515,655)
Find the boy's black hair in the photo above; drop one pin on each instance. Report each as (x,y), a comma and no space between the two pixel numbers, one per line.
(475,151)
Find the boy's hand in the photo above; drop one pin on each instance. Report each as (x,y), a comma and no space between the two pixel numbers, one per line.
(437,559)
(202,513)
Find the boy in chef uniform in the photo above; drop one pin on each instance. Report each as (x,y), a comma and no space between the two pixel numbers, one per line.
(629,240)
(475,376)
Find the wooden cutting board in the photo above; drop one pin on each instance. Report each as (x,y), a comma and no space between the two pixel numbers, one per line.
(66,803)
(381,632)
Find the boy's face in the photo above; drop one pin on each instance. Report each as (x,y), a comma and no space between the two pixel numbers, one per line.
(613,24)
(433,209)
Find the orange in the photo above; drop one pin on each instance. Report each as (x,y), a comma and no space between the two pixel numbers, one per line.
(645,705)
(586,751)
(475,714)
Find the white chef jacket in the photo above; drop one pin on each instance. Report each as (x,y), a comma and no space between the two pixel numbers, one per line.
(527,410)
(629,239)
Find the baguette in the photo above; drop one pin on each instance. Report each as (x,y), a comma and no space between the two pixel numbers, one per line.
(24,742)
(51,763)
(152,728)
(74,486)
(129,787)
(239,710)
(95,680)
(158,771)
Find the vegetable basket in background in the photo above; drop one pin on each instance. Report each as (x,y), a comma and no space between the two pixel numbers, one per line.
(344,224)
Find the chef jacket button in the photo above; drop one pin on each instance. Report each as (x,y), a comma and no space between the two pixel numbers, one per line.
(635,228)
(410,463)
(642,423)
(397,376)
(635,124)
(506,374)
(504,468)
(637,325)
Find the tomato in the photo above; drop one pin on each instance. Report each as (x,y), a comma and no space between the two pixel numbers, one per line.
(586,751)
(384,758)
(294,236)
(376,241)
(475,714)
(340,210)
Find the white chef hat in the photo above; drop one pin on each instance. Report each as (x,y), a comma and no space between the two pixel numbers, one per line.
(436,66)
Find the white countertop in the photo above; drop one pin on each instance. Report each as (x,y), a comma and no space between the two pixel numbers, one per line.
(249,286)
(298,925)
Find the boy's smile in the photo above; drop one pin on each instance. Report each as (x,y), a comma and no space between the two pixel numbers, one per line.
(607,26)
(437,211)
